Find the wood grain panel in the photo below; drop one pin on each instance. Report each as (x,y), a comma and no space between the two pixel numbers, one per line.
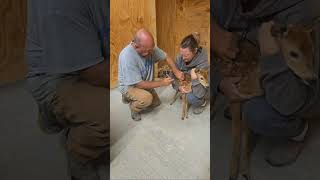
(126,17)
(179,18)
(168,20)
(12,40)
(166,26)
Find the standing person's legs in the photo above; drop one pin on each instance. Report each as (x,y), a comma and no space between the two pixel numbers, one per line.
(264,120)
(83,108)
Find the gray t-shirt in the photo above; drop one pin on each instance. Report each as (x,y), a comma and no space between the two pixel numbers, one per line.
(65,36)
(134,68)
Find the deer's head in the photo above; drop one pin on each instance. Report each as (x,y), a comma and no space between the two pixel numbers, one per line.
(203,76)
(297,47)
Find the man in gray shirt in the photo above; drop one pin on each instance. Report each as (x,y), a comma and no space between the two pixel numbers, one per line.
(66,53)
(136,68)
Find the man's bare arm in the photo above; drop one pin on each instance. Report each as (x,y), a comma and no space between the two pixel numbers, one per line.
(149,84)
(172,64)
(154,84)
(174,68)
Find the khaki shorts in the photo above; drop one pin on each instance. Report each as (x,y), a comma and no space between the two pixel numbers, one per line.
(141,99)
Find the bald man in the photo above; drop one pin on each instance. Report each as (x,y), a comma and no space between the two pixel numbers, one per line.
(136,69)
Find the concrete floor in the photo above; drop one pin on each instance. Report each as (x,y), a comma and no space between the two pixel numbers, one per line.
(306,167)
(147,148)
(25,151)
(161,146)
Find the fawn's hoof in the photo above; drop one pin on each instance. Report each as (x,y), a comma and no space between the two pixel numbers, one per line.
(135,116)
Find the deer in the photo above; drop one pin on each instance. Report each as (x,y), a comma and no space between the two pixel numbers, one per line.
(298,49)
(202,76)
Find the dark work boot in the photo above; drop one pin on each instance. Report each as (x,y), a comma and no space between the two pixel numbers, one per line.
(200,109)
(82,171)
(136,116)
(125,100)
(287,152)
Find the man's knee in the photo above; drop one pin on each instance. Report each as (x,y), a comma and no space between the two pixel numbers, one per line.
(256,113)
(195,101)
(142,97)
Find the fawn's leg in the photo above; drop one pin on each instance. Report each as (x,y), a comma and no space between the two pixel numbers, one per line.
(184,100)
(175,97)
(246,147)
(187,107)
(236,138)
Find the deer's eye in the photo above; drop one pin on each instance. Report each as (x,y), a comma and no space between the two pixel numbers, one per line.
(294,54)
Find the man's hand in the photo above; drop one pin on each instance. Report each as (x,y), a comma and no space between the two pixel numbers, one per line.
(184,89)
(225,44)
(228,87)
(268,44)
(193,74)
(166,81)
(175,70)
(179,75)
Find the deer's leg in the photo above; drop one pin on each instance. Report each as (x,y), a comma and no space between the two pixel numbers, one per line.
(246,145)
(236,138)
(184,99)
(175,97)
(187,107)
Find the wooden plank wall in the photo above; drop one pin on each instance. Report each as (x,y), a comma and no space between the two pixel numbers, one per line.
(166,26)
(178,18)
(12,40)
(126,17)
(193,15)
(168,20)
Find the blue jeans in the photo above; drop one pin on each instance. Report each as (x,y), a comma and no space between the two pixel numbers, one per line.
(195,101)
(263,119)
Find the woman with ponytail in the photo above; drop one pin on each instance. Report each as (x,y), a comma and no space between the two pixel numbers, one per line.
(192,56)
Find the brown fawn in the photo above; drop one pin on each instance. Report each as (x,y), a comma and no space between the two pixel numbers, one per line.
(297,48)
(202,76)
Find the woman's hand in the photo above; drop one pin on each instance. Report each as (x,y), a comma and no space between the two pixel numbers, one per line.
(184,89)
(193,74)
(179,75)
(228,86)
(268,44)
